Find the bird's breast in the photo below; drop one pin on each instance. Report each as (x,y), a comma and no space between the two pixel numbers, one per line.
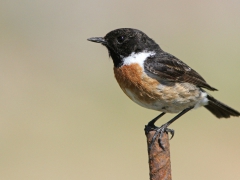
(150,93)
(132,78)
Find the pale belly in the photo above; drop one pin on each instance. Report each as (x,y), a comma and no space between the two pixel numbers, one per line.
(174,103)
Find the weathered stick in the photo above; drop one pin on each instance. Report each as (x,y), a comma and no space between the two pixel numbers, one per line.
(159,159)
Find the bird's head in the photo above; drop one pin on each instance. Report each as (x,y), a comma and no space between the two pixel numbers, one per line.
(121,43)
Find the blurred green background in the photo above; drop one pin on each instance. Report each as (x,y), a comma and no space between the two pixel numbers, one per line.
(62,114)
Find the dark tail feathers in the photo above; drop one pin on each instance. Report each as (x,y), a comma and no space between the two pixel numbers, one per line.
(219,109)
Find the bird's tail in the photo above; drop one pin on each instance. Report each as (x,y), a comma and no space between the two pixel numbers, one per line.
(219,109)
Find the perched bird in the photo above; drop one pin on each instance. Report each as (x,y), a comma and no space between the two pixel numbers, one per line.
(157,80)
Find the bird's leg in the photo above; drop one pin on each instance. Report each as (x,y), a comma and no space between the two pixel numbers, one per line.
(163,128)
(152,122)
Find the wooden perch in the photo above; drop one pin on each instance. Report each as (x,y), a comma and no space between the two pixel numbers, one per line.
(159,159)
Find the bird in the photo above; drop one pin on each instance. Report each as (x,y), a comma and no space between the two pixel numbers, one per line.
(157,80)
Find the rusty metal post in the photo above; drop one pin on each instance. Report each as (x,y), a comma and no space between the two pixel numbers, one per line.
(159,159)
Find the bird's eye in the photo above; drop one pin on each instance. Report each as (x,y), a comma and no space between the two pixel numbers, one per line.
(120,39)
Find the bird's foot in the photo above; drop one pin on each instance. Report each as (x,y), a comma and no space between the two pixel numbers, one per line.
(159,133)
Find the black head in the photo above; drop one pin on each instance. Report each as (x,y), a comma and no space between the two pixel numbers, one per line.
(125,41)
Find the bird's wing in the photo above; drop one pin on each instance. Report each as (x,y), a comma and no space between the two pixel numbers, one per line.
(166,66)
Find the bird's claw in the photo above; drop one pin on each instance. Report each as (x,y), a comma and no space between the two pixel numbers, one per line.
(159,132)
(171,131)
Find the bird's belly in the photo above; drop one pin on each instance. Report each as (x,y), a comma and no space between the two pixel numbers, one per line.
(152,94)
(173,102)
(157,104)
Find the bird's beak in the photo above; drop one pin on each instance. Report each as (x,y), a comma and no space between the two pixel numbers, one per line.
(97,40)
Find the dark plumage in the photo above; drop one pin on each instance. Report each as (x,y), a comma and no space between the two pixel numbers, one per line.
(170,68)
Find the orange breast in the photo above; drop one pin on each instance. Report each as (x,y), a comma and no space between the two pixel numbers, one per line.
(132,78)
